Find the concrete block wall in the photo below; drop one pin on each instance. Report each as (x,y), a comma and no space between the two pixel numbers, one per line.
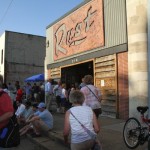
(137,54)
(24,56)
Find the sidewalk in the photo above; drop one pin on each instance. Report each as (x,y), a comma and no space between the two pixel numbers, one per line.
(110,134)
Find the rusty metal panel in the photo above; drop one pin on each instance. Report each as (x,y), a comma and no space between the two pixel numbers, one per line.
(76,33)
(115,22)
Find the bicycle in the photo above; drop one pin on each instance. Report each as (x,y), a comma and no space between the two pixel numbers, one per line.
(135,134)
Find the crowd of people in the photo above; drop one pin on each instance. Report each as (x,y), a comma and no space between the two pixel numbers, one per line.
(29,92)
(27,105)
(80,104)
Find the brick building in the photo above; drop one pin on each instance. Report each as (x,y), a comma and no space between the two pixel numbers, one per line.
(107,39)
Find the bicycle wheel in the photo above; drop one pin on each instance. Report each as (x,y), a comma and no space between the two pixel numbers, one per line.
(131,133)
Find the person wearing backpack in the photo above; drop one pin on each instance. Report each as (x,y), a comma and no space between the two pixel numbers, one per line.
(7,126)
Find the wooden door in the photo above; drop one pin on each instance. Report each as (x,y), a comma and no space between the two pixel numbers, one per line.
(106,80)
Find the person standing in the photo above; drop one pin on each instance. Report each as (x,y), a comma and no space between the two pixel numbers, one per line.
(92,95)
(10,87)
(41,92)
(19,94)
(58,91)
(82,84)
(48,93)
(64,98)
(80,139)
(35,90)
(28,90)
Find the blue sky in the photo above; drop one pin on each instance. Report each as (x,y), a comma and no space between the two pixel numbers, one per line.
(32,16)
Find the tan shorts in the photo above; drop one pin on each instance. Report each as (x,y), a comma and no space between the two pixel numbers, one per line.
(86,145)
(41,125)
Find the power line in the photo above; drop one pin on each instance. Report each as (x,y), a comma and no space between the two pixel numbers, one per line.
(6,12)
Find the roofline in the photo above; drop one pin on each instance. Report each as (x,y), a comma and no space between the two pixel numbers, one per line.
(6,31)
(69,12)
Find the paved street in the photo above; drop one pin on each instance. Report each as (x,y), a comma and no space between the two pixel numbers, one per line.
(110,136)
(24,145)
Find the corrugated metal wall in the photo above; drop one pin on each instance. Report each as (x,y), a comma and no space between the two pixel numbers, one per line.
(115,22)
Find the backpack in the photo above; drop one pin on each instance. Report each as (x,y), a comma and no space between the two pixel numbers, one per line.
(9,135)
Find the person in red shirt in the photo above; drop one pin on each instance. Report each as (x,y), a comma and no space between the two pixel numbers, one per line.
(19,94)
(6,107)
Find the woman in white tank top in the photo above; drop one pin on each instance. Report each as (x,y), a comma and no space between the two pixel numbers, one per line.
(80,140)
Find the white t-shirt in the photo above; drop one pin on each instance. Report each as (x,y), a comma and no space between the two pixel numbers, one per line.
(20,110)
(48,88)
(64,92)
(57,90)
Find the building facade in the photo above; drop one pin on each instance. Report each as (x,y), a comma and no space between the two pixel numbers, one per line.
(107,39)
(21,56)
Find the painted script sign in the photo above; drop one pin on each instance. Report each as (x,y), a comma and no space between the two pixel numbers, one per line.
(80,31)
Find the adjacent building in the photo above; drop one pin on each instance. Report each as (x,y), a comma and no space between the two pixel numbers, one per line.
(21,56)
(107,39)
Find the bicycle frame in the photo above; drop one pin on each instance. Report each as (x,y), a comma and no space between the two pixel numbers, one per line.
(147,122)
(135,133)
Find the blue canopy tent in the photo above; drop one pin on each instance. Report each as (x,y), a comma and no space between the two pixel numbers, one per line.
(35,78)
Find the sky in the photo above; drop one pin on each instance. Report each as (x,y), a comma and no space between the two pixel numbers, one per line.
(32,16)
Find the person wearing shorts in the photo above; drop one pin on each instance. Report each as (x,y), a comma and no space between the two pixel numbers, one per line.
(92,95)
(42,120)
(80,139)
(64,97)
(28,127)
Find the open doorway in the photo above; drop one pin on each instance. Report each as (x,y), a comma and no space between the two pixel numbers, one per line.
(74,74)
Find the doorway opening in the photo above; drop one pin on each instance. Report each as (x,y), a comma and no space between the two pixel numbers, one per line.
(74,74)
